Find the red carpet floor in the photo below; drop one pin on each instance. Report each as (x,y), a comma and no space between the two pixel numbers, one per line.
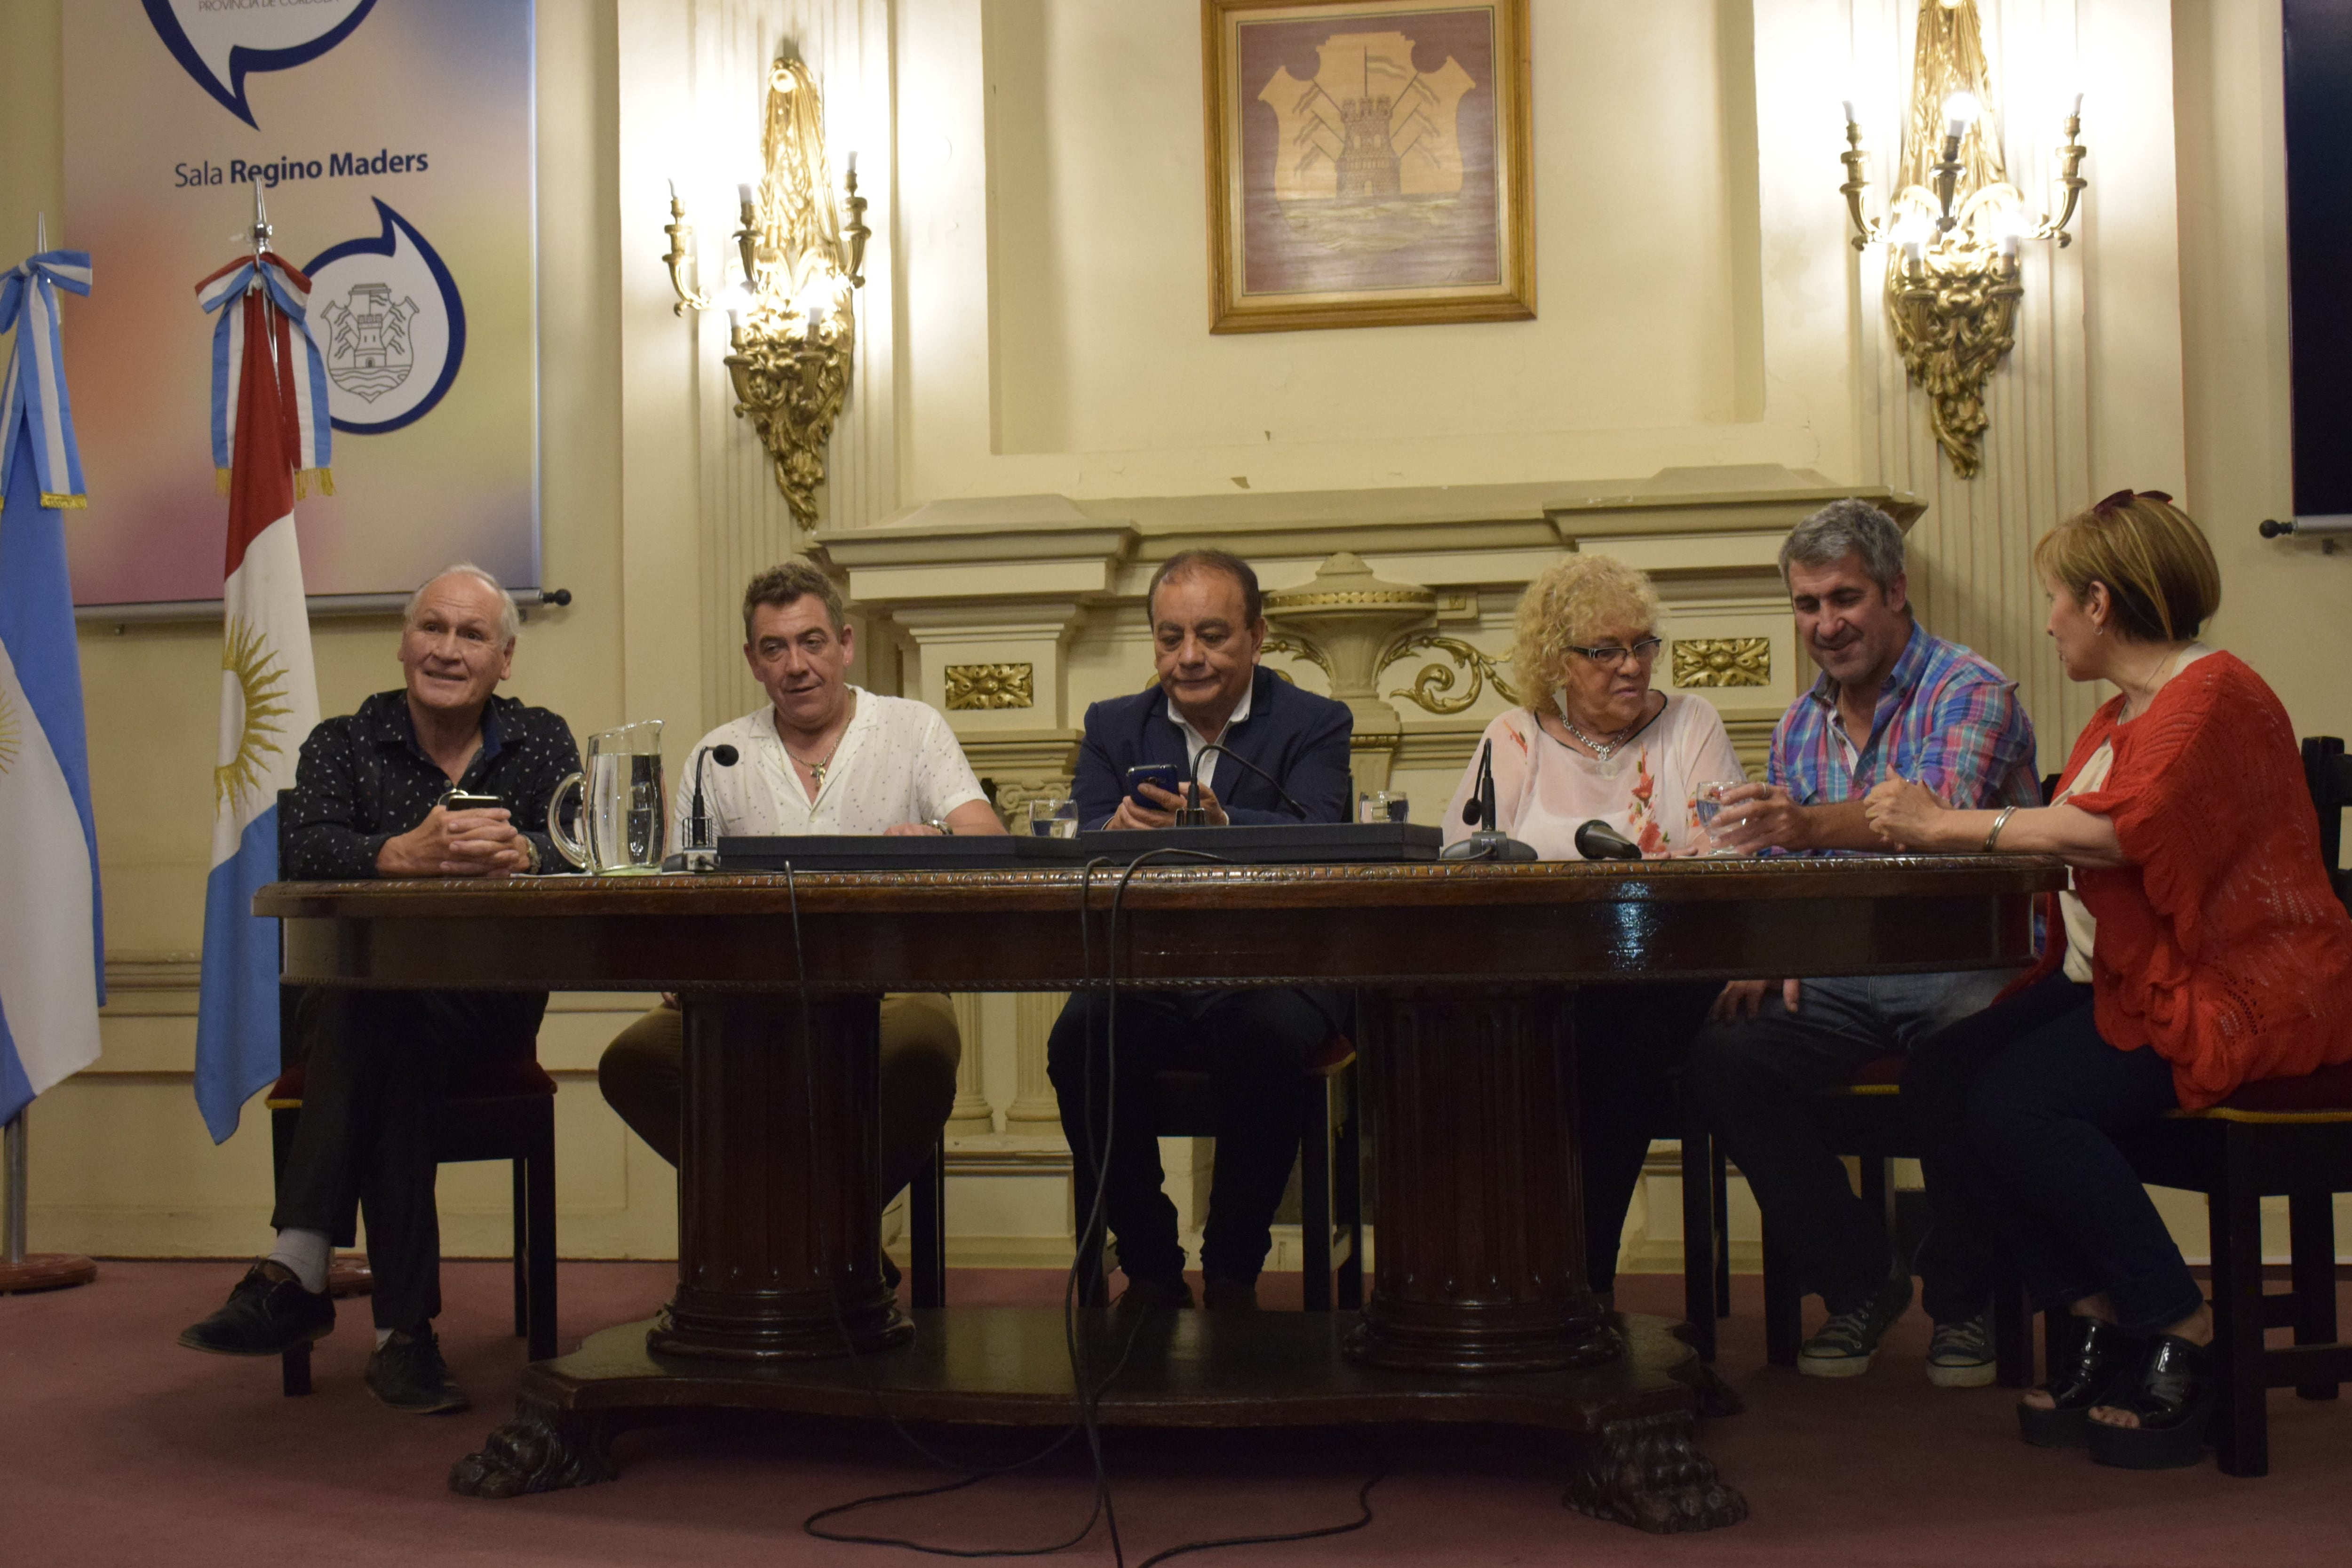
(118,1446)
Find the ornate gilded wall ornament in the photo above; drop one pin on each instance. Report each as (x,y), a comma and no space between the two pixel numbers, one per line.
(791,325)
(1952,229)
(1432,690)
(991,685)
(1297,647)
(1723,661)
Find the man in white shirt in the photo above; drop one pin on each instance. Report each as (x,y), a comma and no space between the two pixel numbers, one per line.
(823,756)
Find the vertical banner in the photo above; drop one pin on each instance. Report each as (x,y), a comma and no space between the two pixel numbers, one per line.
(393,140)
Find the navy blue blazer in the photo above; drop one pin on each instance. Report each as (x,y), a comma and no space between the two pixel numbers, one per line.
(1301,738)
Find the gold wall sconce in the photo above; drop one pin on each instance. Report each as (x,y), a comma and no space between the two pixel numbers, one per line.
(790,326)
(1952,229)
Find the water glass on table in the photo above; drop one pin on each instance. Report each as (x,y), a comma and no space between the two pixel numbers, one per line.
(1707,801)
(1383,806)
(1050,817)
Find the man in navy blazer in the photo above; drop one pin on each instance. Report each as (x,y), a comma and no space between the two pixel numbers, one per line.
(1208,625)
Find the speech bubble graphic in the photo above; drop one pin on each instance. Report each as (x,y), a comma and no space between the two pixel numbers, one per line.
(390,322)
(220,42)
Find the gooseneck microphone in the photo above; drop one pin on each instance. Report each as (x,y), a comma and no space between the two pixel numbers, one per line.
(1194,815)
(698,827)
(1489,842)
(1596,840)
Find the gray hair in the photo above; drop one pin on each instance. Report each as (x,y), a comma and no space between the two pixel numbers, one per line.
(510,614)
(1847,526)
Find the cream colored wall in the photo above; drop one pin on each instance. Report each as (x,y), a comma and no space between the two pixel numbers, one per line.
(1034,329)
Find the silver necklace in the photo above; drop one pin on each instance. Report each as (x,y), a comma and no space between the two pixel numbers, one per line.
(1601,750)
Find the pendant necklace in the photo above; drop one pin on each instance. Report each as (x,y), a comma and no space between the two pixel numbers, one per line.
(1601,750)
(817,768)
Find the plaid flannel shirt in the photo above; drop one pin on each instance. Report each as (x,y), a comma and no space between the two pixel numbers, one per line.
(1945,718)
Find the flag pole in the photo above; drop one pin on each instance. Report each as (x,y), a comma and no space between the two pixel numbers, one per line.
(20,1269)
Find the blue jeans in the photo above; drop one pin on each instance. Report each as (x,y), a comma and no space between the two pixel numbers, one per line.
(1753,1082)
(2018,1107)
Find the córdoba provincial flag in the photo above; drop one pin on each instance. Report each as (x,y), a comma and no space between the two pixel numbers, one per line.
(52,947)
(269,427)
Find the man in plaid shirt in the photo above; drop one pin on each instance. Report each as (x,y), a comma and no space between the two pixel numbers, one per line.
(1893,701)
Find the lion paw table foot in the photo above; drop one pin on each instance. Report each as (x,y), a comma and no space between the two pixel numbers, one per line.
(538,1451)
(1645,1473)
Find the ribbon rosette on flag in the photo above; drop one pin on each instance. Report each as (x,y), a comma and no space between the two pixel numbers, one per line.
(52,952)
(270,428)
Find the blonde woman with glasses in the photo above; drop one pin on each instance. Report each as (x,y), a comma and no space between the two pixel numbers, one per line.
(1596,739)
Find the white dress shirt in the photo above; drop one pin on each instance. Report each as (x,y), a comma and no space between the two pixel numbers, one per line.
(897,761)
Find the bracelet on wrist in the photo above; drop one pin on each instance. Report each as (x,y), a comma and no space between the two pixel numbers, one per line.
(1999,821)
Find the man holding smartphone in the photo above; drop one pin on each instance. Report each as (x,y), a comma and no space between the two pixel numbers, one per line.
(427,780)
(1264,752)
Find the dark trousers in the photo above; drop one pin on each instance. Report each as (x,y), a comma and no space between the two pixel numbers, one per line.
(2018,1107)
(379,1063)
(1753,1081)
(1629,1041)
(1255,1046)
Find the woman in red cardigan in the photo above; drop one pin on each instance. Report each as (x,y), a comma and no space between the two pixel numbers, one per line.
(2202,949)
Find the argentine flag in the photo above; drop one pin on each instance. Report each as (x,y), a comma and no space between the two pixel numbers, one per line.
(52,947)
(269,427)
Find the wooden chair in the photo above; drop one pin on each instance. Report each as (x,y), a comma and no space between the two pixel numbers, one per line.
(1330,1185)
(2282,1136)
(499,1111)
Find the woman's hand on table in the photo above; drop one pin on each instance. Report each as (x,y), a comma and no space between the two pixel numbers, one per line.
(1907,815)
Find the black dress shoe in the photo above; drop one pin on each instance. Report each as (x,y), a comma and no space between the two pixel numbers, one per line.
(2173,1396)
(406,1372)
(268,1313)
(2094,1357)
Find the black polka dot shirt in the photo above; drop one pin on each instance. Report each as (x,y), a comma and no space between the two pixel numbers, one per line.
(364,780)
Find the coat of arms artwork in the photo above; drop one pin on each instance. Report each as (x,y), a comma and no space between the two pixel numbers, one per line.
(1367,162)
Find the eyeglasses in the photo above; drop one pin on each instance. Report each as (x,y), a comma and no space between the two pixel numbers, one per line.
(1614,658)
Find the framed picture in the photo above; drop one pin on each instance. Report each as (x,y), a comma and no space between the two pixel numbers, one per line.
(1367,162)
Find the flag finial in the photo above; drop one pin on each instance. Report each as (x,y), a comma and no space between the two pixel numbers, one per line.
(262,228)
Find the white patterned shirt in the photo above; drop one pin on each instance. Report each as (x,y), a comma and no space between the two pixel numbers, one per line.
(898,763)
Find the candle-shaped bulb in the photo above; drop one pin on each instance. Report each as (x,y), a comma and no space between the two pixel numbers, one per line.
(2078,110)
(1848,105)
(852,163)
(743,193)
(1960,111)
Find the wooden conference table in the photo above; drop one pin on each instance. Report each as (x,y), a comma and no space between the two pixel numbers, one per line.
(1479,1309)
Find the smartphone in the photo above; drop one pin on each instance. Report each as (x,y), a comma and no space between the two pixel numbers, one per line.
(1167,775)
(460,800)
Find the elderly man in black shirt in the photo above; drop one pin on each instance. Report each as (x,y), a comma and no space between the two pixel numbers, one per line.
(369,802)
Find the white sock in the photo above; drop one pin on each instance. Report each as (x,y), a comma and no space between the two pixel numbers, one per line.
(382,1335)
(304,1254)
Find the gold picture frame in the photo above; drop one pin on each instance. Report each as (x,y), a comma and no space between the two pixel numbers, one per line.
(1369,162)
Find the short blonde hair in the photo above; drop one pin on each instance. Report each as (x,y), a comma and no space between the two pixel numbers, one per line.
(1571,604)
(2160,573)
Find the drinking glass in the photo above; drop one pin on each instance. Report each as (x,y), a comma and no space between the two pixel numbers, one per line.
(1050,817)
(1383,806)
(1706,800)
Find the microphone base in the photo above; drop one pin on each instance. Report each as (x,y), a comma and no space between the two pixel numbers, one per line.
(1192,817)
(1488,844)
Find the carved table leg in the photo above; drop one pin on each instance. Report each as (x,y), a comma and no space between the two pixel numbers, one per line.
(1645,1473)
(541,1450)
(1473,1097)
(780,1253)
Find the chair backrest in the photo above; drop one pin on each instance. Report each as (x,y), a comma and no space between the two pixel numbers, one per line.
(2328,772)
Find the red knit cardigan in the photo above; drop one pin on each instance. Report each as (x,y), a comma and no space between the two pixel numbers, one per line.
(2220,945)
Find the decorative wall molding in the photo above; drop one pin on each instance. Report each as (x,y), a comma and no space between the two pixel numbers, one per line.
(1723,661)
(971,686)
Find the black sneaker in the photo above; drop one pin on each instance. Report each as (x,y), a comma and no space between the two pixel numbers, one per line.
(406,1372)
(1960,1355)
(268,1313)
(1150,1295)
(1848,1340)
